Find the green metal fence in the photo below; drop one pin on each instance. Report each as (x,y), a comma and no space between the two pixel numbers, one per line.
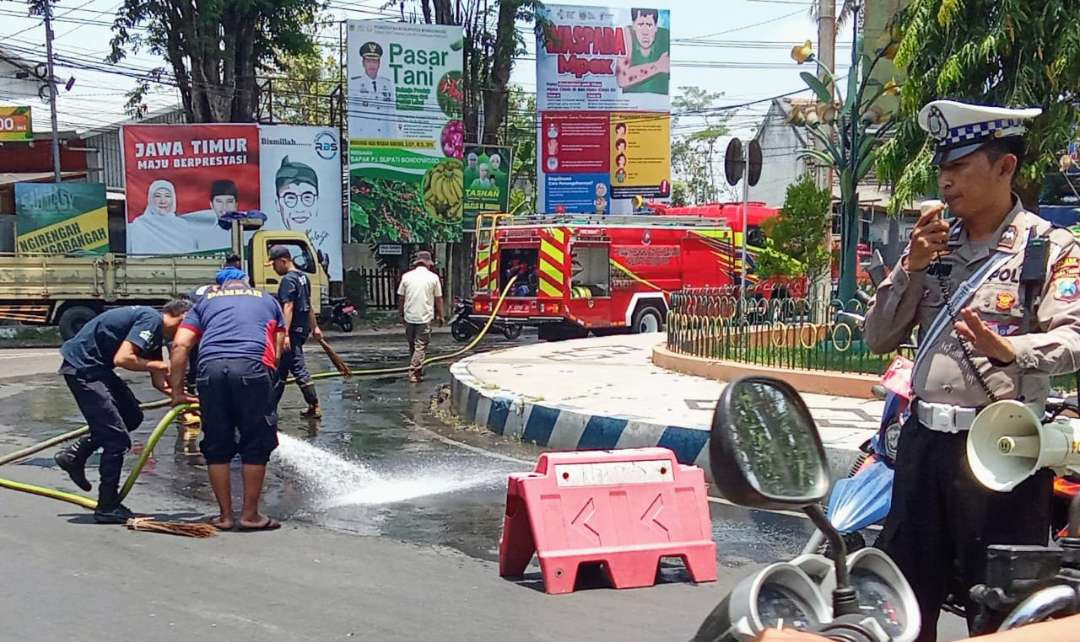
(770,330)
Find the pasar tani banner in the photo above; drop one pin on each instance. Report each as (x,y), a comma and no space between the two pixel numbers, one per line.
(181,179)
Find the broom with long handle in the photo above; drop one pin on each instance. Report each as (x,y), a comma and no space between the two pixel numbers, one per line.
(338,362)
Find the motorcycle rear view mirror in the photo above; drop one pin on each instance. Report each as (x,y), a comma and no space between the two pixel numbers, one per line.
(764,449)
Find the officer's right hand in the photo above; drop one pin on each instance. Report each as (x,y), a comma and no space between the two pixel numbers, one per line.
(929,239)
(288,344)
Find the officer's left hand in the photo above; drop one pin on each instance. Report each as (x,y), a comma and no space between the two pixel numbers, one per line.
(972,329)
(317,332)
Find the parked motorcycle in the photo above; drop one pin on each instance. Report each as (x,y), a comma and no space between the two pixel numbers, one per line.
(765,452)
(463,327)
(342,312)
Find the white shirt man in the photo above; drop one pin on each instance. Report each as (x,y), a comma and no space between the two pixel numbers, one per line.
(419,301)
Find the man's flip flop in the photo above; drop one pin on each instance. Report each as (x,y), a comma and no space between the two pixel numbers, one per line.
(268,525)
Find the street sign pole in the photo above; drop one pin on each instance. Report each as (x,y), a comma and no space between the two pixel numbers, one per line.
(745,228)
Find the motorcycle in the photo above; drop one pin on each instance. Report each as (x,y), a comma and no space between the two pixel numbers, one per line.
(342,312)
(463,327)
(765,452)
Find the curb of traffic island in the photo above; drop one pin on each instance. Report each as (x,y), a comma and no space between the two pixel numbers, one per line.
(815,382)
(565,427)
(569,428)
(30,336)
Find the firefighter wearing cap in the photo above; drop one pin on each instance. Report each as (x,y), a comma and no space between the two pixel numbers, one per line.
(373,99)
(419,302)
(294,294)
(996,298)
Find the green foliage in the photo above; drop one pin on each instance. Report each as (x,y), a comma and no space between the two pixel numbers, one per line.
(680,193)
(300,91)
(216,49)
(797,235)
(1015,53)
(694,155)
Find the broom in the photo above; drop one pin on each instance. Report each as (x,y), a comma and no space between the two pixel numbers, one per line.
(184,529)
(338,362)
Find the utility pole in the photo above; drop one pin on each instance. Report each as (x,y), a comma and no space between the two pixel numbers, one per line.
(52,89)
(827,58)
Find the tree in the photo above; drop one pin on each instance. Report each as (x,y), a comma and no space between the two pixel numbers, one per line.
(493,40)
(301,90)
(797,234)
(694,155)
(1003,52)
(521,136)
(216,49)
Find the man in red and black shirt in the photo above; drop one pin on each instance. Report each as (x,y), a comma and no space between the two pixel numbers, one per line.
(239,332)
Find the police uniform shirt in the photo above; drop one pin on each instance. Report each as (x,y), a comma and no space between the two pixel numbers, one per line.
(295,288)
(1052,347)
(236,322)
(95,346)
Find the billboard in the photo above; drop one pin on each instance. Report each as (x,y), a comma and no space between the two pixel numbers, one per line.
(487,181)
(406,136)
(603,93)
(15,123)
(180,178)
(61,218)
(300,170)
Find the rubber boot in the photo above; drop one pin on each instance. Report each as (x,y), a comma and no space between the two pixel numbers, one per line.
(109,509)
(313,411)
(72,460)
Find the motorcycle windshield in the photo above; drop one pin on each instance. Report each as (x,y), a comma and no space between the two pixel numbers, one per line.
(859,501)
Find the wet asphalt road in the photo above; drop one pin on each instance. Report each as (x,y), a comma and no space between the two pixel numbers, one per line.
(396,469)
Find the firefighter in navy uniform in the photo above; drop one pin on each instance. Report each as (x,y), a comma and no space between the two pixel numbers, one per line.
(995,296)
(239,332)
(130,338)
(294,294)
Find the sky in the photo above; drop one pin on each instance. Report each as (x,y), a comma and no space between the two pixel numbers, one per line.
(739,48)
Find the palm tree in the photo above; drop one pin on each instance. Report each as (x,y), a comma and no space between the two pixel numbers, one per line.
(846,9)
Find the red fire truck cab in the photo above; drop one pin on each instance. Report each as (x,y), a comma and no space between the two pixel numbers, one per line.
(577,273)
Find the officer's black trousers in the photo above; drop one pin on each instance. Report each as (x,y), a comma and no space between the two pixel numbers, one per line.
(942,519)
(236,400)
(111,411)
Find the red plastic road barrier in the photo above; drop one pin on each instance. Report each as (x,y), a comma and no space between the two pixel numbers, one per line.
(624,508)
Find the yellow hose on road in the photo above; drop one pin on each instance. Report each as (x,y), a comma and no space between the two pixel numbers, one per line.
(163,425)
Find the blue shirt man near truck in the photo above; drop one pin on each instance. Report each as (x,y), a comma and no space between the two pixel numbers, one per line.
(240,332)
(294,294)
(130,338)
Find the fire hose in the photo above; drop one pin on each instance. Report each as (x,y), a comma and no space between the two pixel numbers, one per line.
(163,425)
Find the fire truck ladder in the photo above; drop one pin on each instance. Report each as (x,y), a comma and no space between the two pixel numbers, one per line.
(487,251)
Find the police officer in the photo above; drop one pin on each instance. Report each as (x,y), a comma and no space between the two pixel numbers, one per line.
(995,297)
(373,114)
(130,338)
(240,332)
(294,294)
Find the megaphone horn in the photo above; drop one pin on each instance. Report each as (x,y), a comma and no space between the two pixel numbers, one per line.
(1008,443)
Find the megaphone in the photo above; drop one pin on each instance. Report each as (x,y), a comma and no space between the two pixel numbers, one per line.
(1007,444)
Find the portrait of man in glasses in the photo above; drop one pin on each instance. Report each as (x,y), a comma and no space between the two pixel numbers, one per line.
(297,188)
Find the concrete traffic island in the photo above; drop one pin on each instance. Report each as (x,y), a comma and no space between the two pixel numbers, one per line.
(603,393)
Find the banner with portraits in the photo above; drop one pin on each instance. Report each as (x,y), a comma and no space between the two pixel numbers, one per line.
(487,181)
(301,185)
(406,133)
(603,81)
(180,179)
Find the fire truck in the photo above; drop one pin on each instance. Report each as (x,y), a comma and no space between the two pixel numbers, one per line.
(602,274)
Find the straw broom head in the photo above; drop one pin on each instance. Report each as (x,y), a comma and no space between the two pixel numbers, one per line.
(338,362)
(184,529)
